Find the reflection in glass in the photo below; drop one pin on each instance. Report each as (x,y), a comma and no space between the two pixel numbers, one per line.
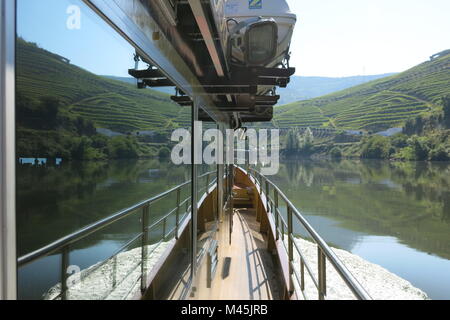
(89,144)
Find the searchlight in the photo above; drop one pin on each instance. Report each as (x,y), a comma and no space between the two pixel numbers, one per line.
(255,41)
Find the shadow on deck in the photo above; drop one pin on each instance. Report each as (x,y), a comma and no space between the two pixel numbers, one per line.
(246,269)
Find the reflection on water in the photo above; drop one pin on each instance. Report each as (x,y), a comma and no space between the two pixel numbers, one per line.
(396,215)
(55,200)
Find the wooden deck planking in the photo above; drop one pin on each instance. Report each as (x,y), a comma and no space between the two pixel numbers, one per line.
(250,273)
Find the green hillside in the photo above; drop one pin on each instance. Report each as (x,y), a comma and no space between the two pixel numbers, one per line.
(306,88)
(60,108)
(109,103)
(376,105)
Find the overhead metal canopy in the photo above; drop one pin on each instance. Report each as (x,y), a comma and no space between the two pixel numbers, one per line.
(157,41)
(184,45)
(206,29)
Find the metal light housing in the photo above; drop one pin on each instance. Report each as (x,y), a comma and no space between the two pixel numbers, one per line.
(254,42)
(261,41)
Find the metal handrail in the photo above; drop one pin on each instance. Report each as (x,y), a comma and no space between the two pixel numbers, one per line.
(324,251)
(63,245)
(88,230)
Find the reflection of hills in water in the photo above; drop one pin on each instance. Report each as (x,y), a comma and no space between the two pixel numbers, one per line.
(55,201)
(409,201)
(334,234)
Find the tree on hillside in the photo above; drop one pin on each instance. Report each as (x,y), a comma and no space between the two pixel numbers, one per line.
(308,137)
(336,153)
(439,154)
(37,114)
(80,148)
(420,147)
(123,147)
(85,126)
(376,147)
(292,142)
(49,109)
(307,141)
(164,153)
(408,128)
(419,125)
(414,126)
(446,105)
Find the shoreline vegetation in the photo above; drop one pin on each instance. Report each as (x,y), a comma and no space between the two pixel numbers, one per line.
(423,138)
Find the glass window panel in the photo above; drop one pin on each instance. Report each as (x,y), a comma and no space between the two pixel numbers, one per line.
(89,143)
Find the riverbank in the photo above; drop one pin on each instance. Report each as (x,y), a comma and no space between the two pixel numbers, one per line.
(432,145)
(379,282)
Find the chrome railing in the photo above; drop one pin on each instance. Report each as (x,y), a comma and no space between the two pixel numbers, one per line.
(181,211)
(285,228)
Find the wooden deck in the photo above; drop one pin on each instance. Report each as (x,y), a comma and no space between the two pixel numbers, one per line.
(245,270)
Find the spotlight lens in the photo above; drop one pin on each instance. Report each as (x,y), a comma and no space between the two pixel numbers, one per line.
(262,42)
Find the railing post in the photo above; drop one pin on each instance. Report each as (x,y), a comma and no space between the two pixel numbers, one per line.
(164,229)
(277,223)
(64,267)
(290,248)
(302,274)
(267,194)
(177,216)
(145,214)
(114,272)
(207,184)
(322,273)
(187,205)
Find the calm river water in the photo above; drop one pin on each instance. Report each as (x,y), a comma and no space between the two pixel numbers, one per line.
(396,215)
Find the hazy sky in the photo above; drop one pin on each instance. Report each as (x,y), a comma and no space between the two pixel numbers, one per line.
(332,38)
(353,37)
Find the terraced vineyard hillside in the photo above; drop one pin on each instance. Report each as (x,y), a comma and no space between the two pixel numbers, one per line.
(111,104)
(377,105)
